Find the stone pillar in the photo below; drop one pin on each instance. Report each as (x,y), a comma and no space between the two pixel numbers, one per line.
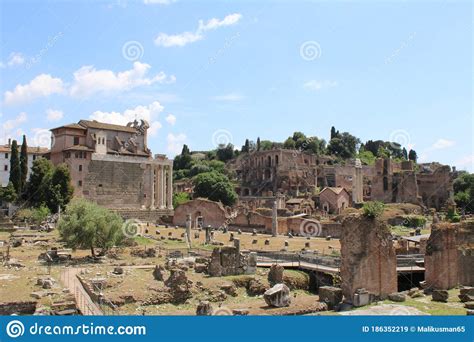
(449,258)
(170,188)
(159,187)
(368,258)
(357,183)
(162,187)
(275,219)
(152,186)
(188,227)
(208,235)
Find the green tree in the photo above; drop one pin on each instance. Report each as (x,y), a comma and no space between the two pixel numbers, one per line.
(344,146)
(15,172)
(412,155)
(366,157)
(333,132)
(60,188)
(246,147)
(266,145)
(289,144)
(464,192)
(215,186)
(85,225)
(8,193)
(225,153)
(405,153)
(38,187)
(373,210)
(183,161)
(180,198)
(258,144)
(23,163)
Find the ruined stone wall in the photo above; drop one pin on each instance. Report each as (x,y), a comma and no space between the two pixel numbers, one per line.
(449,258)
(436,188)
(213,213)
(368,258)
(116,184)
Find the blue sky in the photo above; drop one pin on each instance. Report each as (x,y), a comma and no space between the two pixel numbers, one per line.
(204,72)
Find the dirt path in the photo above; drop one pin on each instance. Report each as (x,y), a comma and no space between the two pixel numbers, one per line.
(83,300)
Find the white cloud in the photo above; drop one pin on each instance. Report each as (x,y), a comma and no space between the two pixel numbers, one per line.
(11,128)
(466,162)
(442,144)
(171,119)
(89,81)
(16,58)
(41,86)
(182,39)
(149,113)
(154,127)
(175,143)
(158,2)
(232,97)
(54,114)
(316,85)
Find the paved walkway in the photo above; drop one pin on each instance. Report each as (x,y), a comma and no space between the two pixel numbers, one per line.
(83,301)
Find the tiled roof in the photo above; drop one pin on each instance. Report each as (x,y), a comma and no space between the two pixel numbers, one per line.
(31,150)
(336,190)
(106,126)
(72,125)
(79,148)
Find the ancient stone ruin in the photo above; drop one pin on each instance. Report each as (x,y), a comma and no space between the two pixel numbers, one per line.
(278,296)
(228,260)
(449,258)
(368,258)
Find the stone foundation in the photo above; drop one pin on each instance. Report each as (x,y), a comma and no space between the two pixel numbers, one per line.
(449,259)
(368,258)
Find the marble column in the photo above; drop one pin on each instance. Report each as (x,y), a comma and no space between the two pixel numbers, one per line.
(158,191)
(163,187)
(170,188)
(152,186)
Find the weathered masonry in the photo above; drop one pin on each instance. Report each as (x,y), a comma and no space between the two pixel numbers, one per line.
(112,165)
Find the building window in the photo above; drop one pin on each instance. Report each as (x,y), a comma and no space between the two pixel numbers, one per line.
(76,140)
(6,155)
(5,168)
(80,167)
(79,183)
(67,155)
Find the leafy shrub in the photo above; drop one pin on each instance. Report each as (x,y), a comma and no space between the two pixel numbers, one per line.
(373,209)
(414,221)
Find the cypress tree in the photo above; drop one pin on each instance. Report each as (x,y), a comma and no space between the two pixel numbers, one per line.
(15,167)
(23,164)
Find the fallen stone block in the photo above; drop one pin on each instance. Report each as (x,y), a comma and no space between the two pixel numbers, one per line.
(204,308)
(440,296)
(278,296)
(330,295)
(397,297)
